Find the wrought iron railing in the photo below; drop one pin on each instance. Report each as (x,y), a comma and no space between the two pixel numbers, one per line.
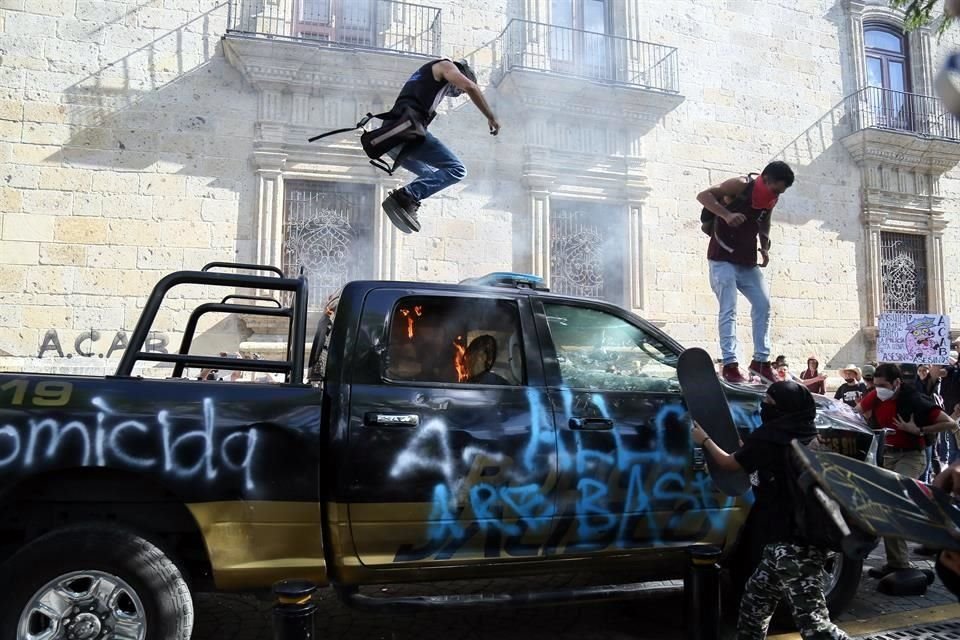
(368,24)
(879,108)
(587,54)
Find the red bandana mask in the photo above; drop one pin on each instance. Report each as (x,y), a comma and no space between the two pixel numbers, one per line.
(762,197)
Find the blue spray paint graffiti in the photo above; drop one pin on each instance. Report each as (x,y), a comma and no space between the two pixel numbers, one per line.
(620,495)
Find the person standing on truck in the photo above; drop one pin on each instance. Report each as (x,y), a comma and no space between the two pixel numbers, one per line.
(736,214)
(896,405)
(435,166)
(789,567)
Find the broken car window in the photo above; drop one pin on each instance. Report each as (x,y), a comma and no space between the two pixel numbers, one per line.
(598,350)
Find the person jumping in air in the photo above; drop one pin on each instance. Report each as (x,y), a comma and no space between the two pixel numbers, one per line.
(736,213)
(435,166)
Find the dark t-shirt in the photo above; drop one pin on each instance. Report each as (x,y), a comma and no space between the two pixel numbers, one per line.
(422,91)
(950,388)
(738,245)
(773,511)
(851,393)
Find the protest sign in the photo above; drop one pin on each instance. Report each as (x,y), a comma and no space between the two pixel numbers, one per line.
(920,338)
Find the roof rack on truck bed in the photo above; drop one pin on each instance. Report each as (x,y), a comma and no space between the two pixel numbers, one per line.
(296,313)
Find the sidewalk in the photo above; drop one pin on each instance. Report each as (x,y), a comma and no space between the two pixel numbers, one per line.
(236,617)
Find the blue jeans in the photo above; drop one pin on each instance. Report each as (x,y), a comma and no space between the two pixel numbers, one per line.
(435,165)
(726,279)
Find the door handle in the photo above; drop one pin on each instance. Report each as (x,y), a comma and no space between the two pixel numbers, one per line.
(373,418)
(591,424)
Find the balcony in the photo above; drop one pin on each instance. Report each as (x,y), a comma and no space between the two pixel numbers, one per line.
(543,66)
(382,25)
(587,55)
(910,130)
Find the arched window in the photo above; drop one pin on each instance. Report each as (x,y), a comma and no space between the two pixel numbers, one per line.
(886,57)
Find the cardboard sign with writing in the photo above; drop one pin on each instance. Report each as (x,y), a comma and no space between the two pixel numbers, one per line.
(920,338)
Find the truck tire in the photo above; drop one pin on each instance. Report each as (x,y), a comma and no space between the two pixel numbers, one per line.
(842,582)
(90,578)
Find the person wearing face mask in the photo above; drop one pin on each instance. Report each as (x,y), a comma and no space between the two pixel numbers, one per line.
(852,388)
(910,415)
(788,568)
(435,166)
(736,215)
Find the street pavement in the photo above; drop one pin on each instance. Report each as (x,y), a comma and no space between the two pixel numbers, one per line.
(660,617)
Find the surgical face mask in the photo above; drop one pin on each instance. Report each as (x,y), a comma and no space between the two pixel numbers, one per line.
(884,394)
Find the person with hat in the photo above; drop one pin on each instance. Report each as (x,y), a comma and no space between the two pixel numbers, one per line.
(867,371)
(811,377)
(852,388)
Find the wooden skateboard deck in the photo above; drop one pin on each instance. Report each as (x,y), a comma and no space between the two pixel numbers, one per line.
(883,503)
(707,404)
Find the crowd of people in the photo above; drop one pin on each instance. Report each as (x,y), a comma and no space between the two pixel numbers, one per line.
(790,566)
(910,404)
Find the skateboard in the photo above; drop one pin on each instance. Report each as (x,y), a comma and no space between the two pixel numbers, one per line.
(881,503)
(707,405)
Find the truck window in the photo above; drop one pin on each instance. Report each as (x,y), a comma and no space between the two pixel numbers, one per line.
(600,351)
(455,340)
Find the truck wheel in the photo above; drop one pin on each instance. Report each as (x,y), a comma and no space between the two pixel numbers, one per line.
(841,578)
(841,581)
(89,582)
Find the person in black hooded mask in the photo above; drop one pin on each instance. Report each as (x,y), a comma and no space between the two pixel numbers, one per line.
(788,568)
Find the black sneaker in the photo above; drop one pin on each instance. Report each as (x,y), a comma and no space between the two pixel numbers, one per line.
(882,572)
(402,208)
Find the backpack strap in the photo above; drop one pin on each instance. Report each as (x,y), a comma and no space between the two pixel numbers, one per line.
(367,118)
(383,166)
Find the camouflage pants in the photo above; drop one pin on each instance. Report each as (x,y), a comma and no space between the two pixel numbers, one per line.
(793,572)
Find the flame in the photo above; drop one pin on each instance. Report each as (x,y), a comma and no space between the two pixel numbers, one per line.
(417,312)
(460,360)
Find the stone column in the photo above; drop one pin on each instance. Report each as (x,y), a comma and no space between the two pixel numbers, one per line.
(872,254)
(386,243)
(300,109)
(269,215)
(935,277)
(540,233)
(636,297)
(855,12)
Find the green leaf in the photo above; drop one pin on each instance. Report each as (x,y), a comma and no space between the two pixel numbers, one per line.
(919,13)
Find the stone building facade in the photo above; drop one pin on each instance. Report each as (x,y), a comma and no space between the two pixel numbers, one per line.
(140,137)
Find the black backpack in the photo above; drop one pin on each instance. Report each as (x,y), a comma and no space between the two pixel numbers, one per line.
(708,218)
(814,524)
(402,126)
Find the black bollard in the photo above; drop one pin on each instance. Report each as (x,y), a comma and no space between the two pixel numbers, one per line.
(701,591)
(294,611)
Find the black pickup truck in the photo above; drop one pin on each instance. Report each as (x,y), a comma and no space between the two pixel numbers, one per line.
(433,432)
